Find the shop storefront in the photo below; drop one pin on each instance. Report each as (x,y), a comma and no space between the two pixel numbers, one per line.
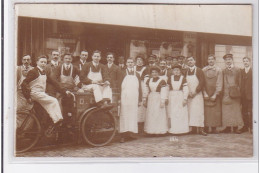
(38,36)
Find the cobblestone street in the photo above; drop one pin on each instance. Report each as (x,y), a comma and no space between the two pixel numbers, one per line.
(213,145)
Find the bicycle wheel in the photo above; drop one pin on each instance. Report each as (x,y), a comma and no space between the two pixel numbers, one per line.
(98,128)
(28,131)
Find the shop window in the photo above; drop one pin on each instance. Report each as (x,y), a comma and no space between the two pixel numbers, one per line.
(159,48)
(239,52)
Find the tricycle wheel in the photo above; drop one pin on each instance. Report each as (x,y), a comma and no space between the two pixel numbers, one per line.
(28,131)
(98,127)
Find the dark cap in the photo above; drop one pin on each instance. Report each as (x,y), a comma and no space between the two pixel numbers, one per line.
(155,68)
(177,66)
(228,56)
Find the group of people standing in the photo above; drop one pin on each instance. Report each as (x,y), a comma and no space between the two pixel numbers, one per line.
(165,96)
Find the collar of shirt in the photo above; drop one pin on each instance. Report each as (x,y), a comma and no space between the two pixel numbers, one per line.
(95,64)
(247,69)
(230,67)
(211,67)
(67,66)
(163,71)
(54,63)
(192,68)
(41,70)
(121,65)
(82,62)
(130,69)
(109,65)
(25,68)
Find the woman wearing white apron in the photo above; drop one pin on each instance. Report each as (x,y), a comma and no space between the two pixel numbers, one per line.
(195,81)
(140,68)
(130,97)
(177,107)
(36,81)
(156,119)
(94,78)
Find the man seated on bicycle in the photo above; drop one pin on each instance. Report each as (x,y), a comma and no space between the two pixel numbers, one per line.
(94,78)
(68,77)
(34,86)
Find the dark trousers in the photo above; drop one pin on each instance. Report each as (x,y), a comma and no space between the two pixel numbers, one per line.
(67,106)
(247,112)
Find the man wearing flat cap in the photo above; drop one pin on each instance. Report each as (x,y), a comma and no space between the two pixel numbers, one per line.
(231,112)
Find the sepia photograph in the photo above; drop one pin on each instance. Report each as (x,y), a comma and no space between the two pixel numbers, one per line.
(133,81)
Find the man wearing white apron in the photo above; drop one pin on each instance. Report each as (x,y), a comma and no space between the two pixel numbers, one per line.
(67,75)
(34,86)
(94,78)
(131,96)
(195,80)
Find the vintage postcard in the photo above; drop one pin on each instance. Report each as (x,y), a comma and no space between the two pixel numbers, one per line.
(133,81)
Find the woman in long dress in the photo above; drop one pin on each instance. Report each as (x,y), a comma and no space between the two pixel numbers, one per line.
(177,107)
(231,110)
(156,118)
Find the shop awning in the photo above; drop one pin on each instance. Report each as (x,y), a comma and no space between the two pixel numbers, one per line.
(220,19)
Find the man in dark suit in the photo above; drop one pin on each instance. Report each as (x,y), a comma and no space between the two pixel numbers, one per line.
(94,78)
(113,72)
(121,63)
(246,94)
(50,71)
(82,61)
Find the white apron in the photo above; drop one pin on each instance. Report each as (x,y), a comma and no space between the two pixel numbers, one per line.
(195,104)
(178,114)
(141,109)
(129,104)
(50,104)
(99,91)
(67,82)
(156,118)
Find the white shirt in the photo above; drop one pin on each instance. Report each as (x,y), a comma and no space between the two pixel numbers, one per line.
(247,69)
